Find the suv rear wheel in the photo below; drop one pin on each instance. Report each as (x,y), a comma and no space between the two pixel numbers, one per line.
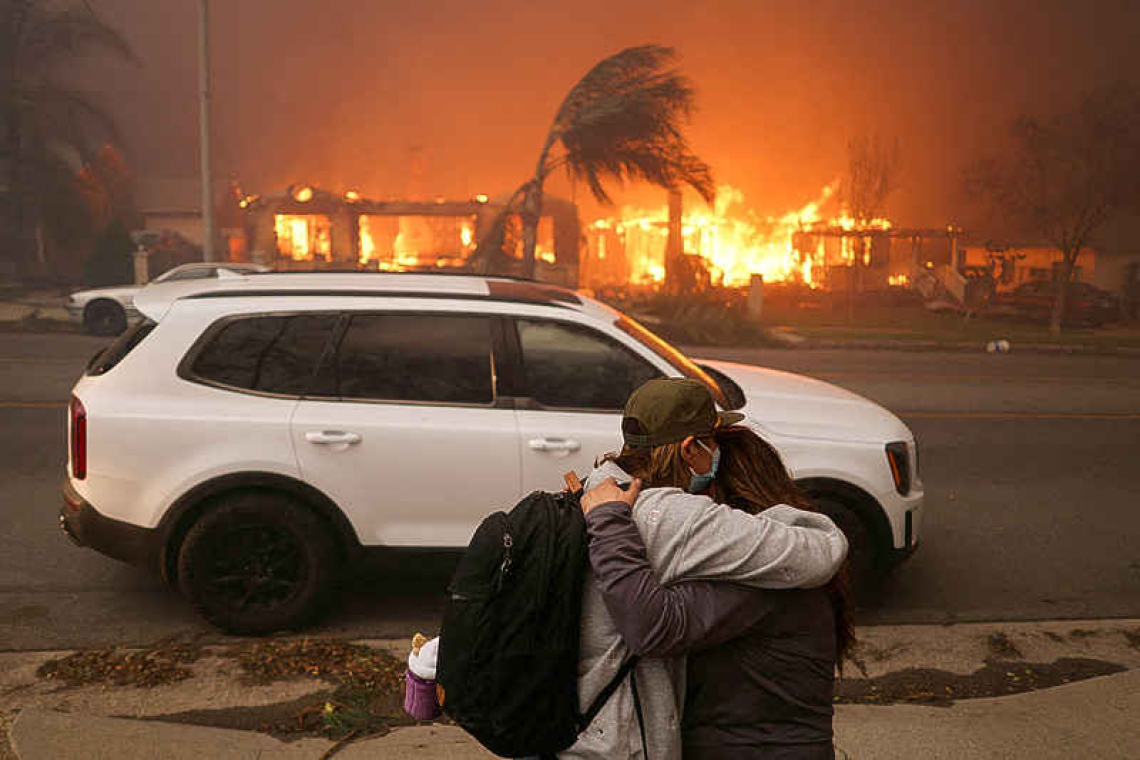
(258,562)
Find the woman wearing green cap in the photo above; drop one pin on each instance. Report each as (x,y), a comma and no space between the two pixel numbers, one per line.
(670,426)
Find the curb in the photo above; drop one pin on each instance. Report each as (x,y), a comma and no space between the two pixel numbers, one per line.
(970,347)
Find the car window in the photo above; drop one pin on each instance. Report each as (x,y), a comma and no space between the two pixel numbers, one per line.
(416,357)
(571,366)
(274,354)
(678,360)
(197,273)
(106,360)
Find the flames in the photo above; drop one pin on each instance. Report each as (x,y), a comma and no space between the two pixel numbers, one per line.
(399,243)
(734,241)
(302,237)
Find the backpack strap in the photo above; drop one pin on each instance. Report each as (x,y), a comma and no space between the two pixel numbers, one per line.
(604,695)
(640,717)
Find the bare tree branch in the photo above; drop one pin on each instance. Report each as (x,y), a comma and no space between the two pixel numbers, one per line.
(1064,178)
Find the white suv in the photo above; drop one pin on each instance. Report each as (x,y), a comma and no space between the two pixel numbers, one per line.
(255,436)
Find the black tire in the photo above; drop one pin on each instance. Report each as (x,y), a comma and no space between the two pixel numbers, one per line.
(258,562)
(104,317)
(863,563)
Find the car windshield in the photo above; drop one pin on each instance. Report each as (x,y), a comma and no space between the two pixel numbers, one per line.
(676,359)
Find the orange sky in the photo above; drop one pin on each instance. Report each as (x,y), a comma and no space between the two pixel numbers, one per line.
(337,93)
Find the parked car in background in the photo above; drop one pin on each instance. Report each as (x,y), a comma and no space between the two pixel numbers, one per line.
(254,436)
(1085,305)
(108,310)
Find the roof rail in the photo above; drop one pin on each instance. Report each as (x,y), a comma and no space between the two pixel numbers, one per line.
(431,272)
(548,297)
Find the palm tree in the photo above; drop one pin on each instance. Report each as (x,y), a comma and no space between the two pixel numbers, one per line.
(621,122)
(48,129)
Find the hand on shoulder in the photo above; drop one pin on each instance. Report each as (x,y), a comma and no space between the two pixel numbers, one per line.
(608,490)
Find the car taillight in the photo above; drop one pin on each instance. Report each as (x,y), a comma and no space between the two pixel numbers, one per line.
(78,439)
(900,466)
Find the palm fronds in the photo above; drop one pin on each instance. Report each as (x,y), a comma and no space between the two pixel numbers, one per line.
(623,121)
(49,126)
(49,37)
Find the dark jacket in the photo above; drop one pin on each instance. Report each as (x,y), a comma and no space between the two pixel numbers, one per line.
(761,663)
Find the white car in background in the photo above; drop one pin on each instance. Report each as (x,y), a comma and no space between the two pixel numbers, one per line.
(108,310)
(256,435)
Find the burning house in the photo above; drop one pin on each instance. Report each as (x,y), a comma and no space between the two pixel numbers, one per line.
(735,244)
(310,228)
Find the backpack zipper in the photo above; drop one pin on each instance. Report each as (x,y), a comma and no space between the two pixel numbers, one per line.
(505,567)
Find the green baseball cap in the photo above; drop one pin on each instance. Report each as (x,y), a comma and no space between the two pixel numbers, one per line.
(670,409)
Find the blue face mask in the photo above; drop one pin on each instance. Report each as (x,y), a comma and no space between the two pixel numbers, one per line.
(699,483)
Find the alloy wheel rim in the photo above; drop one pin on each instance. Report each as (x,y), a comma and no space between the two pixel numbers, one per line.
(255,567)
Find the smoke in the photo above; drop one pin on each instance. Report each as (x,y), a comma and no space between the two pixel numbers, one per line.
(346,94)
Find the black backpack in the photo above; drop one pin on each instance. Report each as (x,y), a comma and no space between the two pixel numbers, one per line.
(508,650)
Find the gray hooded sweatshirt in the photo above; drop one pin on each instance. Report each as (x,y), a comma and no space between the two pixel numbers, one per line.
(688,537)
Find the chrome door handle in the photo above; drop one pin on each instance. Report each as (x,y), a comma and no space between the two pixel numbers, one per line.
(332,436)
(554,444)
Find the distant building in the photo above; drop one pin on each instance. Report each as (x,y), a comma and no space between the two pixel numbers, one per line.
(175,205)
(1013,265)
(306,227)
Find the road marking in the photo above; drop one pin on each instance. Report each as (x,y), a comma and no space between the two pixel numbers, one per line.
(33,404)
(1021,415)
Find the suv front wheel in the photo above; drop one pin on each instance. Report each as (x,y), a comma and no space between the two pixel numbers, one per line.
(258,562)
(862,563)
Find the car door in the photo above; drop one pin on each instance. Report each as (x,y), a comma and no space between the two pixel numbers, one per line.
(404,429)
(573,384)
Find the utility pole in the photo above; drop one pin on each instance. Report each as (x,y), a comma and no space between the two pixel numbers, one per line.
(208,236)
(675,245)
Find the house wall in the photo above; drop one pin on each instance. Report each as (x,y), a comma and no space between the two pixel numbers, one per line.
(188,225)
(1037,264)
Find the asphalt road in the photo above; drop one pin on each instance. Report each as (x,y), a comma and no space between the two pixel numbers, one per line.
(1029,463)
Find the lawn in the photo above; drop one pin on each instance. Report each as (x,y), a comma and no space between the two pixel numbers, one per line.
(915,323)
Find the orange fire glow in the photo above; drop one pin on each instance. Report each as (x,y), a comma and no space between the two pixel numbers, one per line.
(303,236)
(398,243)
(736,242)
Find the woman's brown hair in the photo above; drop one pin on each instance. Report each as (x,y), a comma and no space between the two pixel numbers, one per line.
(751,477)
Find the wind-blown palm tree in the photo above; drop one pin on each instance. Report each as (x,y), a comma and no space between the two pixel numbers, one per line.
(47,129)
(621,122)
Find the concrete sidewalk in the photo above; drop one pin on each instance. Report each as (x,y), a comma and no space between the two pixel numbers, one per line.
(1093,719)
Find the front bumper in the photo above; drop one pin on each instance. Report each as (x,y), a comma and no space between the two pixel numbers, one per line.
(907,529)
(86,526)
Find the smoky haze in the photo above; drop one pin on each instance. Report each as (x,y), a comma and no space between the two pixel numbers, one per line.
(343,93)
